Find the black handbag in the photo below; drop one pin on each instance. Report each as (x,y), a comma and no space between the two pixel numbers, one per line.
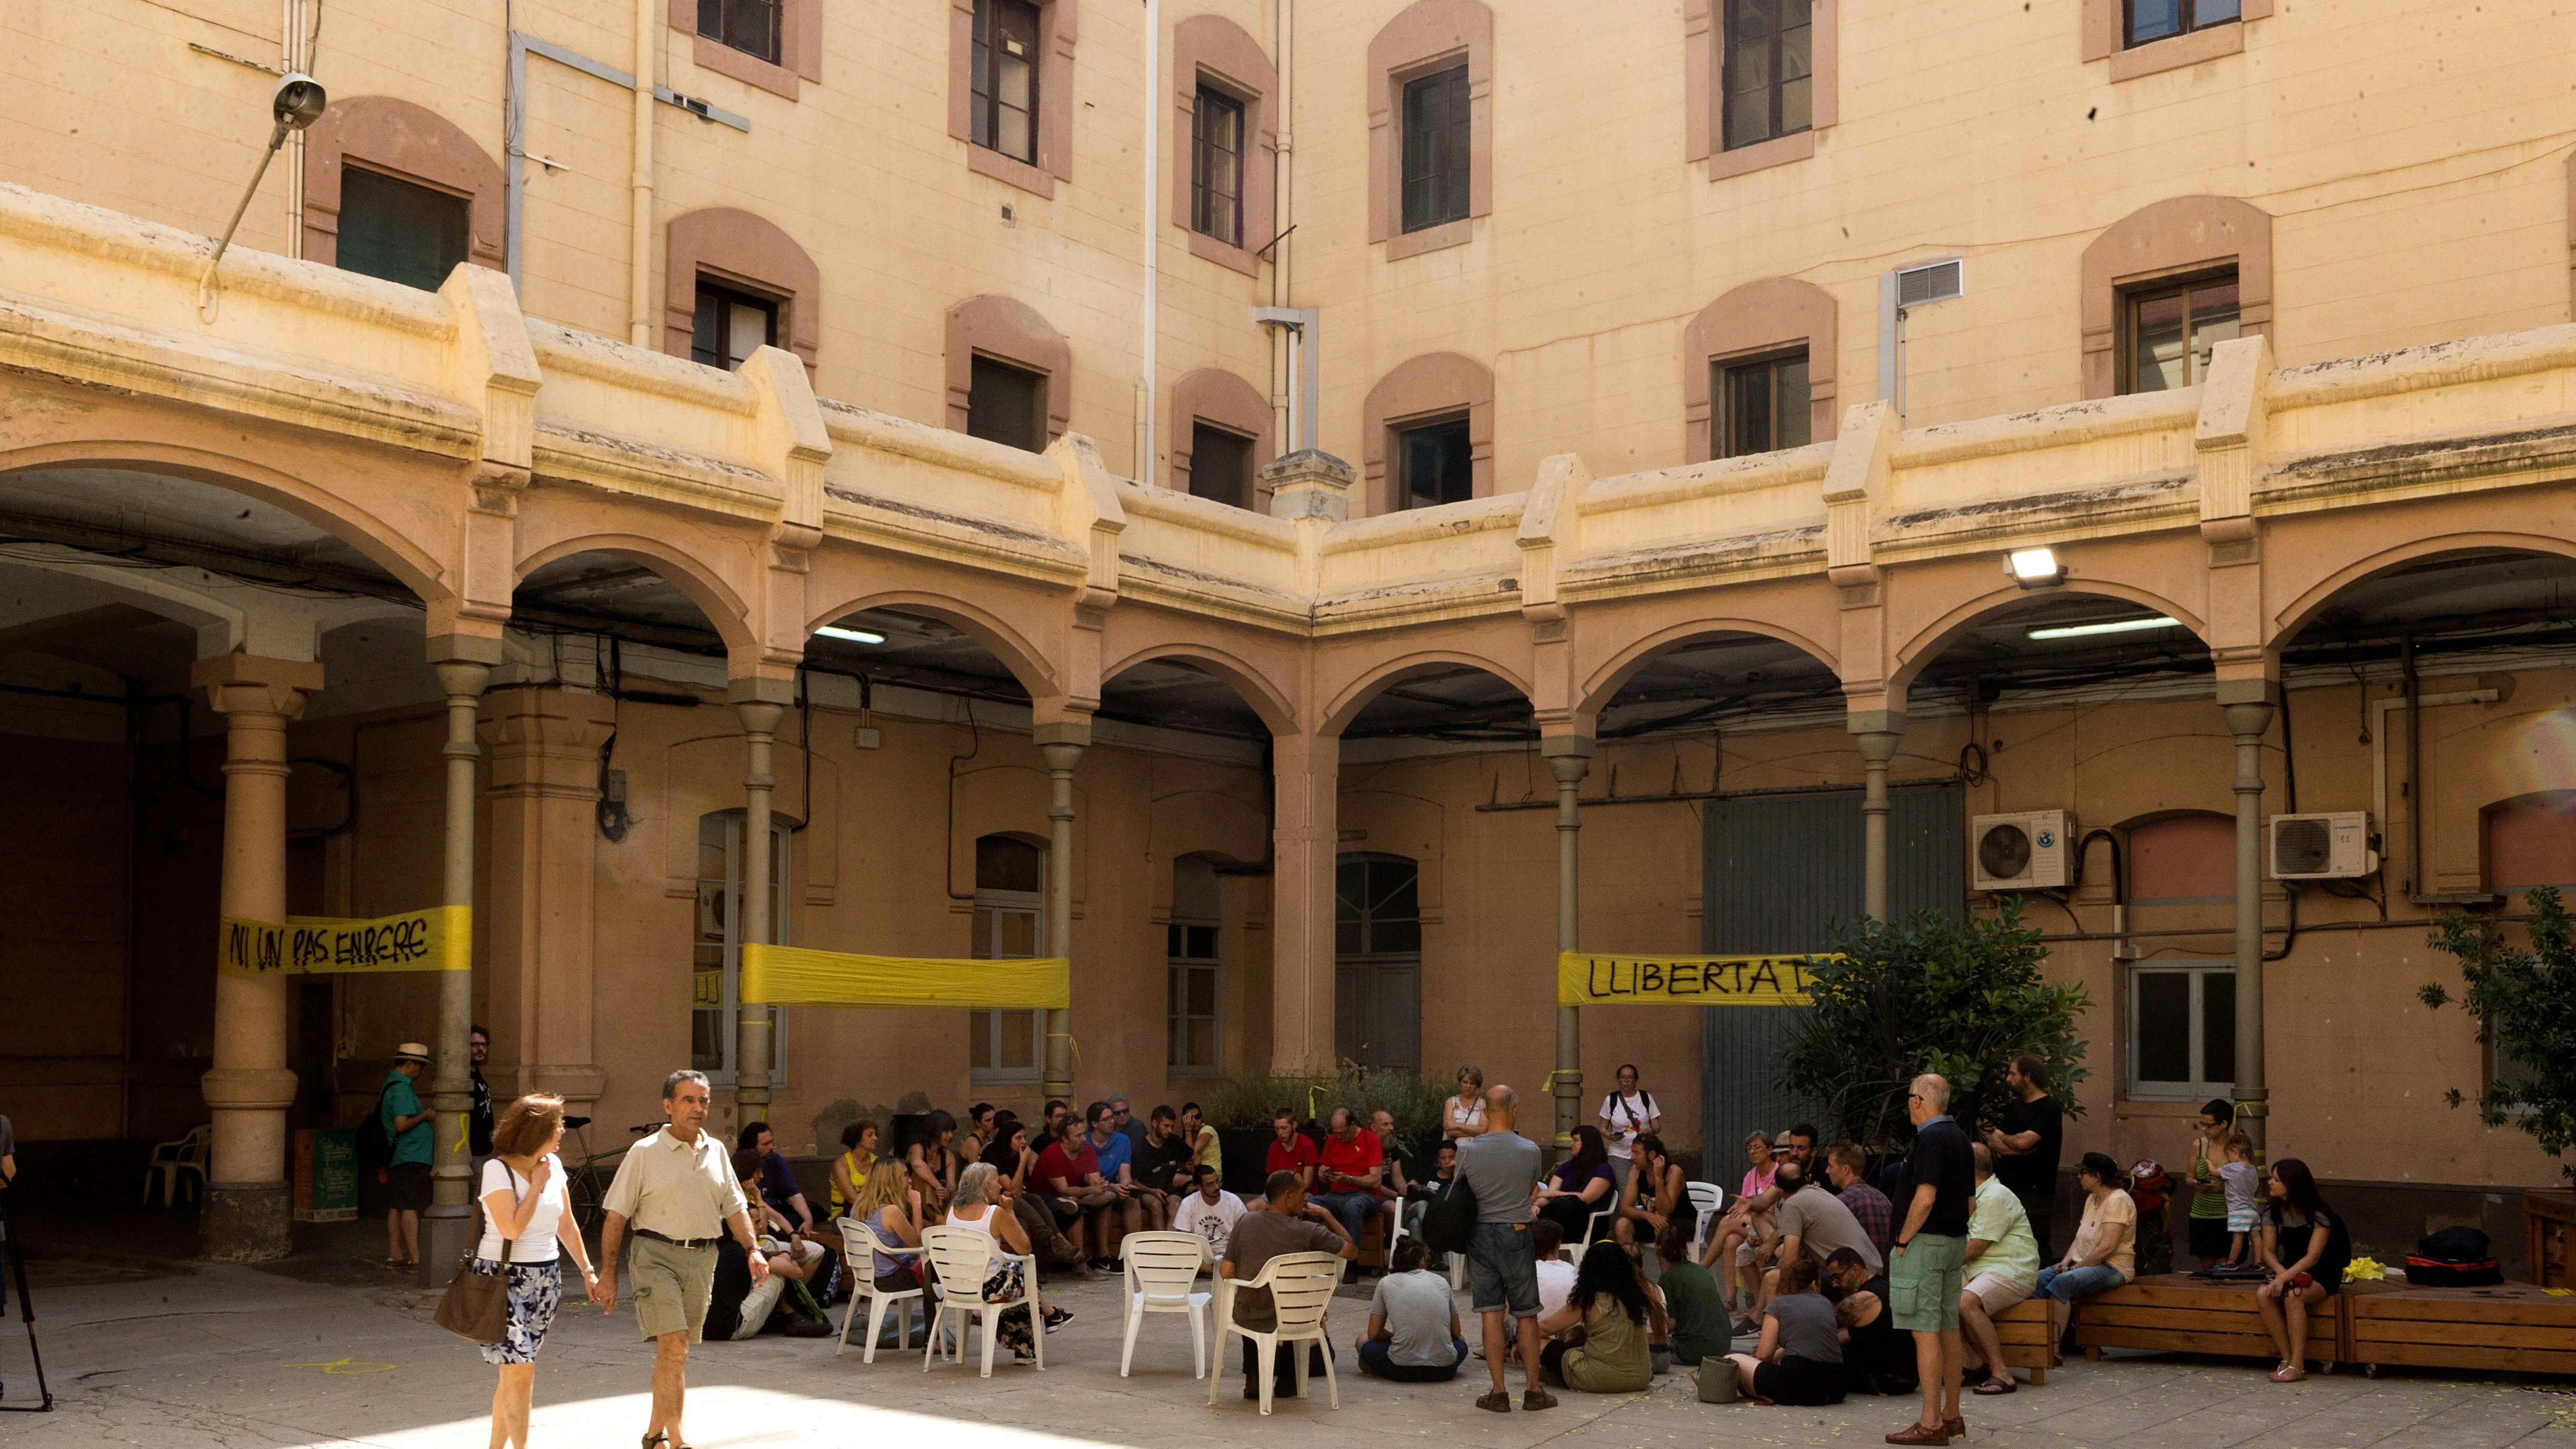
(1450,1221)
(476,1306)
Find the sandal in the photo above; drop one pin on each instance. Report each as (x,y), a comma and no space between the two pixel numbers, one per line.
(1997,1385)
(2289,1373)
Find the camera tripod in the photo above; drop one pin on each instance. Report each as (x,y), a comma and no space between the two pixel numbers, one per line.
(13,1264)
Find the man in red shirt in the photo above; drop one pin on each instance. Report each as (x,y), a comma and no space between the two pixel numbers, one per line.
(1353,1161)
(1069,1173)
(1291,1150)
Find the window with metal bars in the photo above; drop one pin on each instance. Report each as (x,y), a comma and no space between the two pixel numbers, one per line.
(1216,167)
(1437,138)
(2156,19)
(1006,78)
(2171,329)
(1770,70)
(1763,405)
(730,325)
(750,26)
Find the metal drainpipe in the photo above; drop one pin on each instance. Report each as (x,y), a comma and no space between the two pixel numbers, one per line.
(296,50)
(639,278)
(1155,114)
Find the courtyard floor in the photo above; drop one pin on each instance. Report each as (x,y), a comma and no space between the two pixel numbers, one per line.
(328,1350)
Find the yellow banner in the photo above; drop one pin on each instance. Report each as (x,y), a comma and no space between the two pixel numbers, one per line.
(438,938)
(1589,979)
(793,976)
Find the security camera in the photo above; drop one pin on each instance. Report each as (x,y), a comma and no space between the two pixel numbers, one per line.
(298,102)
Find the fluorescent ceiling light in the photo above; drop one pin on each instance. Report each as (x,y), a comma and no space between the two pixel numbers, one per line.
(2032,566)
(2108,626)
(855,636)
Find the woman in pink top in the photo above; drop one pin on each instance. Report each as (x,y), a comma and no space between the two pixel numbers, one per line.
(1730,1248)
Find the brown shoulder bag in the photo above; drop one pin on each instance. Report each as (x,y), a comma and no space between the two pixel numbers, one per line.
(476,1306)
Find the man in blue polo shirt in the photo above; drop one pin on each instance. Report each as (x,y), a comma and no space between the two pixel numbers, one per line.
(1936,1193)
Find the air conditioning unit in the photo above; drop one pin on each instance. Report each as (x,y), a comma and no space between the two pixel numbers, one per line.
(2320,847)
(2024,852)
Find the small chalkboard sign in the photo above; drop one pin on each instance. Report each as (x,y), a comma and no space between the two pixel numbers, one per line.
(326,1177)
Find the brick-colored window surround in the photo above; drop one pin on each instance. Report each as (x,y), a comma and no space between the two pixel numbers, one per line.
(409,143)
(2531,841)
(1055,98)
(1421,390)
(1758,319)
(2186,859)
(1427,37)
(2106,26)
(799,42)
(1221,399)
(1704,84)
(1012,332)
(738,252)
(731,325)
(2182,237)
(1211,51)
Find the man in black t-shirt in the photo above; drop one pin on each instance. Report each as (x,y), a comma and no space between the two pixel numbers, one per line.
(1925,1264)
(2027,1140)
(1877,1359)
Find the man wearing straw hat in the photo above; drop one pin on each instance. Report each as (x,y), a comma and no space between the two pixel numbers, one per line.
(406,1124)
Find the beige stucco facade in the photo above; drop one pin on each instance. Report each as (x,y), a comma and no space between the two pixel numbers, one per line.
(2392,185)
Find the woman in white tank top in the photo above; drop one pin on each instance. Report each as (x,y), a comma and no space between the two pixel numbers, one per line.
(1465,1113)
(973,1209)
(521,1193)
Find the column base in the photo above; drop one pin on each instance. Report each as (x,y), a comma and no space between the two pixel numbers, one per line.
(247,1222)
(446,1233)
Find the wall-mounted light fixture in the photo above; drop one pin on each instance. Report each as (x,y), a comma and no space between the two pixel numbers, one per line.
(854,636)
(2035,568)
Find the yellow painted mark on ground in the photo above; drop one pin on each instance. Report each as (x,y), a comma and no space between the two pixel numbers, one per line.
(345,1366)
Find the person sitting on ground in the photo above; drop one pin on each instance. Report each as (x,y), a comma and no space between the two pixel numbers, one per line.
(1289,1224)
(1596,1343)
(1290,1150)
(973,1208)
(2103,1255)
(778,1186)
(1116,1152)
(1211,1212)
(737,1308)
(858,1158)
(1845,1168)
(1878,1357)
(1745,1227)
(1799,1359)
(1555,1274)
(1205,1148)
(1699,1318)
(1349,1171)
(1810,1222)
(1578,1188)
(1413,1335)
(2244,1184)
(1657,1193)
(933,1158)
(1069,1171)
(2002,1269)
(2306,1247)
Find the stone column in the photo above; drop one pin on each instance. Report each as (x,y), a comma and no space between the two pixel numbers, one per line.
(1061,743)
(2249,705)
(539,926)
(1570,756)
(463,664)
(1305,782)
(248,1209)
(1878,733)
(754,1033)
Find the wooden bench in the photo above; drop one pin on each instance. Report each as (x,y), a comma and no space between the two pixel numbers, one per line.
(2176,1313)
(2511,1328)
(2029,1332)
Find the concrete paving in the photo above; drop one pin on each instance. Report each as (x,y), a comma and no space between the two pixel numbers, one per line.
(316,1352)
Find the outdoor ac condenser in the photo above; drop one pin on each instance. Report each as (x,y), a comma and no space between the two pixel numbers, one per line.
(2023,852)
(2320,847)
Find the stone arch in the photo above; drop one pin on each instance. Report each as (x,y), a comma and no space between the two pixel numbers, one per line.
(2296,615)
(1355,696)
(411,142)
(1266,698)
(1006,641)
(723,606)
(2171,238)
(1423,387)
(1928,642)
(1765,316)
(747,251)
(1606,681)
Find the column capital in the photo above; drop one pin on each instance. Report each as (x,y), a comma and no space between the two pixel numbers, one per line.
(1867,722)
(1576,746)
(1057,734)
(759,716)
(1309,483)
(253,684)
(483,649)
(761,689)
(2254,691)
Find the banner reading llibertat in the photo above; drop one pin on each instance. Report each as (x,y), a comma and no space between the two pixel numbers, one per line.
(436,938)
(1592,978)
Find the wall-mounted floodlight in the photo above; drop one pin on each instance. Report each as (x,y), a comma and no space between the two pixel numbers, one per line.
(296,104)
(2108,626)
(2035,568)
(854,636)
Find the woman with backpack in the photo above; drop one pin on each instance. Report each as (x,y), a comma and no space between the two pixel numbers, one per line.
(2298,1226)
(1626,1115)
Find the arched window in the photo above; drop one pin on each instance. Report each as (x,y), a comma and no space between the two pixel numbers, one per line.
(734,281)
(716,957)
(396,191)
(1758,370)
(1194,943)
(1427,434)
(1010,925)
(1010,373)
(2166,283)
(1377,988)
(2186,859)
(2531,841)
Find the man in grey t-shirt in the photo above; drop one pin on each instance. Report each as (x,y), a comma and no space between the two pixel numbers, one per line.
(1500,1167)
(1812,1223)
(1413,1332)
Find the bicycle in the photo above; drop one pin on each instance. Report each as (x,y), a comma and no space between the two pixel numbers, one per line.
(585,1181)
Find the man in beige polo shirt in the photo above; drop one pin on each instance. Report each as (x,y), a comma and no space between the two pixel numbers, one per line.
(678,1191)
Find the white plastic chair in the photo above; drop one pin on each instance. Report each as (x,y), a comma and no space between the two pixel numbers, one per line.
(859,1243)
(964,1258)
(1710,1200)
(1597,1226)
(1162,1268)
(171,1160)
(1301,1289)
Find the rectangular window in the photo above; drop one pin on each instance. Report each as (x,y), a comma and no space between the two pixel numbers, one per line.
(730,326)
(750,26)
(1193,967)
(398,231)
(1216,167)
(2172,328)
(1436,144)
(1762,406)
(2182,1031)
(1006,1046)
(1770,70)
(2156,19)
(1220,466)
(1006,78)
(1436,462)
(1007,404)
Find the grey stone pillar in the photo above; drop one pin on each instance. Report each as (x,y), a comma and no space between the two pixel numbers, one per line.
(1878,733)
(1570,757)
(760,703)
(1061,744)
(463,664)
(2249,705)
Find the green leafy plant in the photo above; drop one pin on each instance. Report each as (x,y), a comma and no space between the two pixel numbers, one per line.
(1247,1102)
(1960,997)
(2525,1002)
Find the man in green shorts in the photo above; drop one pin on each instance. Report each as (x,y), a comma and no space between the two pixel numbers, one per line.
(678,1190)
(1936,1192)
